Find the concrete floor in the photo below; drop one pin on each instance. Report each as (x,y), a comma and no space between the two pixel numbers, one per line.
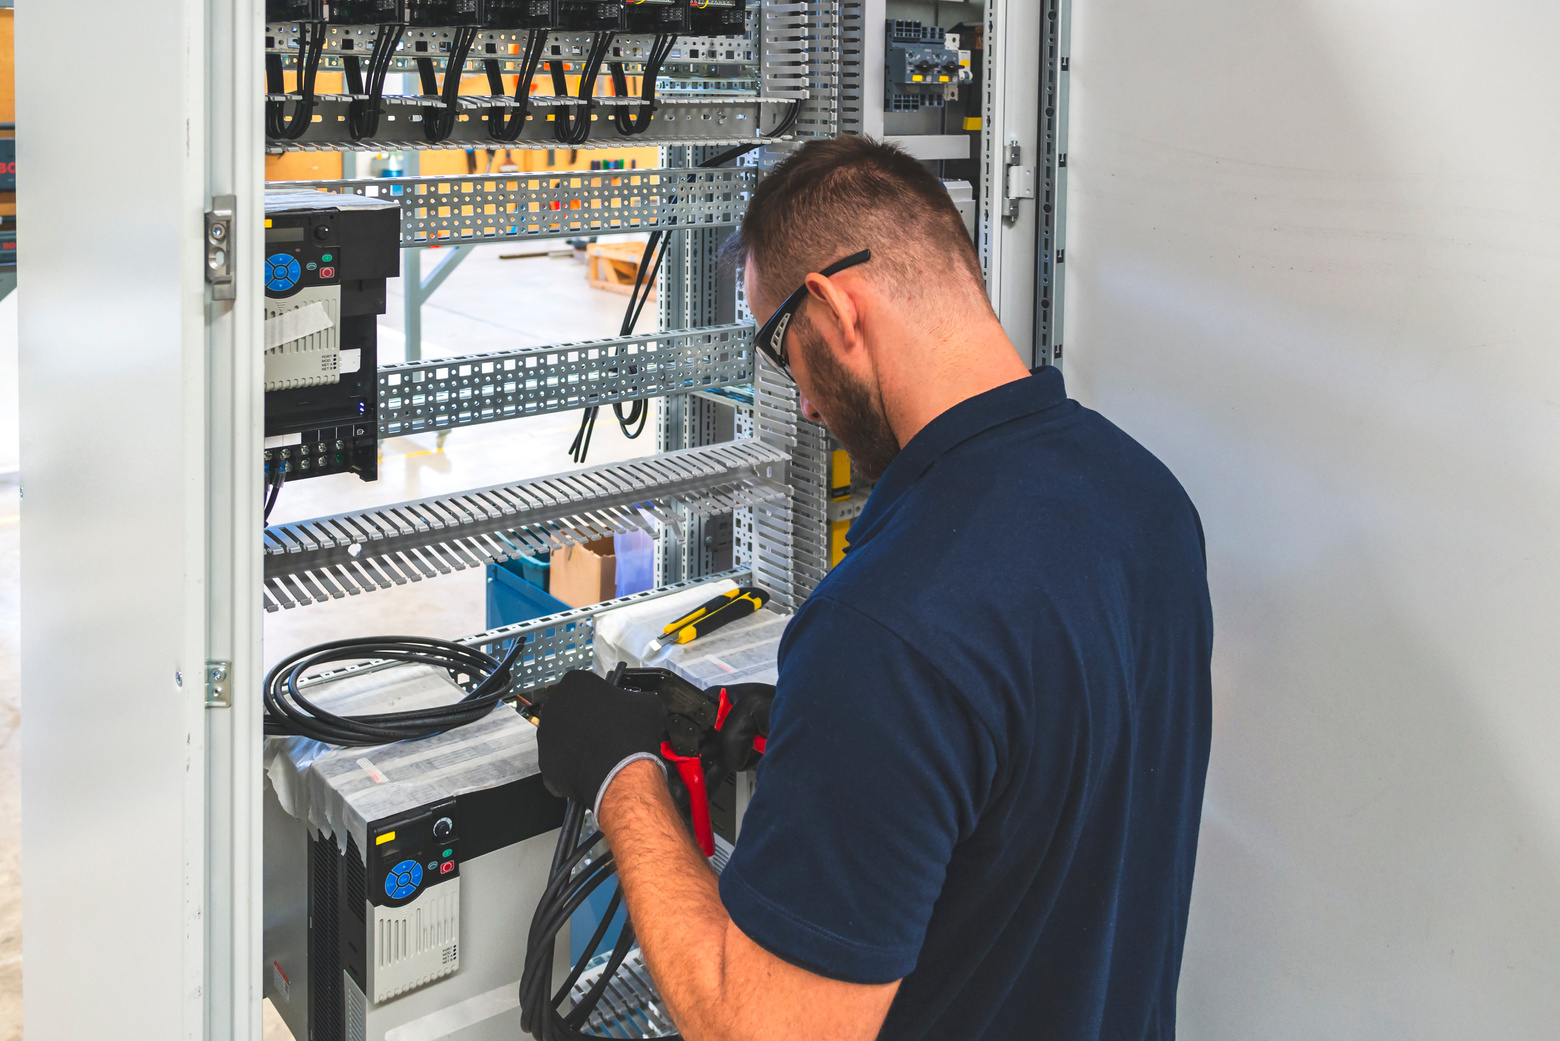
(489,304)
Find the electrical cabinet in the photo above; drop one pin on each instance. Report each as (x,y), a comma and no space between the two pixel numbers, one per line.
(739,483)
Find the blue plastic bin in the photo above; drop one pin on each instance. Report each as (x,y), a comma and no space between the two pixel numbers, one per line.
(511,599)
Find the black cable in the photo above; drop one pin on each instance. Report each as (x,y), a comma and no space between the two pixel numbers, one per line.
(487,679)
(629,123)
(644,279)
(438,127)
(571,123)
(273,487)
(567,890)
(363,114)
(311,48)
(504,126)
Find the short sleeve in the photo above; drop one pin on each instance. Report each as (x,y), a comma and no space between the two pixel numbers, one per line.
(874,771)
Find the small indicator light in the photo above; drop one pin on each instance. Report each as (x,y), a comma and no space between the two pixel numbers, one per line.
(388,836)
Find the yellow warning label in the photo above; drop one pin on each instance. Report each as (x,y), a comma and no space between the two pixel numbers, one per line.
(388,836)
(971,122)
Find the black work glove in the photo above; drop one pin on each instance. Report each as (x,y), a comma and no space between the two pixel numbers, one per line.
(589,730)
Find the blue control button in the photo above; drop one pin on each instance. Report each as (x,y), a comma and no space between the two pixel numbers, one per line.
(403,879)
(281,272)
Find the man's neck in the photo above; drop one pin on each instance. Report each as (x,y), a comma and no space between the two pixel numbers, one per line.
(946,370)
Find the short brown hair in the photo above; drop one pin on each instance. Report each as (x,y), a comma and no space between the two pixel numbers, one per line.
(836,196)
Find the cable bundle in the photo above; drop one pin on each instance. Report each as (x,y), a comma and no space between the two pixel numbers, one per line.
(311,48)
(486,679)
(644,279)
(571,123)
(363,115)
(638,121)
(438,128)
(567,890)
(504,126)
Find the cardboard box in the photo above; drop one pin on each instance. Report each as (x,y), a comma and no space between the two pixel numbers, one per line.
(584,574)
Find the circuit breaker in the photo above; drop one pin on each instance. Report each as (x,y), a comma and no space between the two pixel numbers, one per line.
(924,66)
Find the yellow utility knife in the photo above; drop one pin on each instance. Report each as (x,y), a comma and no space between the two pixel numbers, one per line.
(705,619)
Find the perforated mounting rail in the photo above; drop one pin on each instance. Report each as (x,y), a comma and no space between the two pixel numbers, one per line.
(534,381)
(332,557)
(693,119)
(542,205)
(554,643)
(505,47)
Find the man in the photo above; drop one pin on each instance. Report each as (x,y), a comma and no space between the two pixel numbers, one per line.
(977,813)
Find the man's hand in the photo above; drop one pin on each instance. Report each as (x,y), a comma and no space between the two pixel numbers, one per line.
(590,730)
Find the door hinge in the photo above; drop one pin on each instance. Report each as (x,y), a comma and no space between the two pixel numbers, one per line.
(1020,181)
(219,247)
(219,680)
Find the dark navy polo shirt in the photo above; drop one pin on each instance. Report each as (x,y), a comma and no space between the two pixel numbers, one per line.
(990,735)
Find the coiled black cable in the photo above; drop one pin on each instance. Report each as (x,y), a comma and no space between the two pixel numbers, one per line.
(311,48)
(363,114)
(487,680)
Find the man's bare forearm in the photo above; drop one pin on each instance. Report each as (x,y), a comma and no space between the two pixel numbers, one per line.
(672,897)
(717,983)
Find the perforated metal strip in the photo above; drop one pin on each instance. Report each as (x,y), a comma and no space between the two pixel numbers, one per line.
(554,644)
(506,46)
(693,119)
(332,557)
(541,205)
(533,381)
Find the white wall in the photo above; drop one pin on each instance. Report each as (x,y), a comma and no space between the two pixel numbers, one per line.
(1314,264)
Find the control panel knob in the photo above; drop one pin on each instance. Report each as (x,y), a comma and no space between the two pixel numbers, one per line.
(443,828)
(322,232)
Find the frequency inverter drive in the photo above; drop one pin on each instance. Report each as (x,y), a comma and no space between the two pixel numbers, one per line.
(327,256)
(400,880)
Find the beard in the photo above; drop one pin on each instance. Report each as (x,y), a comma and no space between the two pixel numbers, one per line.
(852,411)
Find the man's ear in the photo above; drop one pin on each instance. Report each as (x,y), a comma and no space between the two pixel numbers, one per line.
(837,311)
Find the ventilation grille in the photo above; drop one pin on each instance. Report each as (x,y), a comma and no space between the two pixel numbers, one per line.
(310,360)
(325,972)
(357,881)
(416,943)
(356,1010)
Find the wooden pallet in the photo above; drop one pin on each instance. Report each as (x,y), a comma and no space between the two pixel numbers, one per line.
(613,265)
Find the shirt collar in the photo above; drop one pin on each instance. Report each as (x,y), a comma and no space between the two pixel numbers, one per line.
(968,419)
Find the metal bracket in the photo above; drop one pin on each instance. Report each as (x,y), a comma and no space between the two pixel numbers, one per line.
(1020,181)
(219,678)
(219,247)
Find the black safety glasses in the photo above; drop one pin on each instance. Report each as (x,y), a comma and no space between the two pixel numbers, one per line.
(771,338)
